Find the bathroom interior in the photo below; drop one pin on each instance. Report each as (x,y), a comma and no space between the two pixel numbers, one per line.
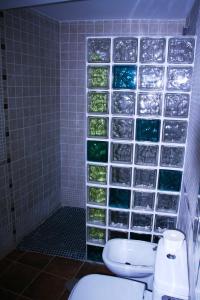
(99,138)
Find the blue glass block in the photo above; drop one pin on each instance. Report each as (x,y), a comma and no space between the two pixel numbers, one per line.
(94,253)
(124,77)
(164,222)
(148,130)
(140,237)
(122,128)
(169,180)
(120,176)
(119,198)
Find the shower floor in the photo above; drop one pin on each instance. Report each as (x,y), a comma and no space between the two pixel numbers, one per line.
(63,234)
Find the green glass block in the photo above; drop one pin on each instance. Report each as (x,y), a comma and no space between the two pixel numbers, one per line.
(96,216)
(97,195)
(97,127)
(98,77)
(94,253)
(97,151)
(169,180)
(119,198)
(98,102)
(124,77)
(97,173)
(96,235)
(147,130)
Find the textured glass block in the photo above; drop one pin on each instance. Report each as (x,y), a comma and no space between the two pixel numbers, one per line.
(125,50)
(179,78)
(97,127)
(118,219)
(172,156)
(98,102)
(97,151)
(145,178)
(174,131)
(97,195)
(99,50)
(181,50)
(164,222)
(146,155)
(113,234)
(119,198)
(122,128)
(121,153)
(94,253)
(97,173)
(147,130)
(169,180)
(143,200)
(120,176)
(167,203)
(98,77)
(149,104)
(152,50)
(96,235)
(140,237)
(141,222)
(176,105)
(123,103)
(96,216)
(124,77)
(151,78)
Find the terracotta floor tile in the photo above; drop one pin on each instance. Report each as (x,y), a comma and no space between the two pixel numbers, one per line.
(4,264)
(15,254)
(92,268)
(7,295)
(35,260)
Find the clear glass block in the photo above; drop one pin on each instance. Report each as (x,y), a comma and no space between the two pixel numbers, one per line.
(179,78)
(97,127)
(143,200)
(121,153)
(176,105)
(97,195)
(119,198)
(97,151)
(97,174)
(140,237)
(120,176)
(98,102)
(123,103)
(114,234)
(96,235)
(147,130)
(122,128)
(149,104)
(98,50)
(141,222)
(151,78)
(94,253)
(169,180)
(98,77)
(181,50)
(172,156)
(118,219)
(167,203)
(152,50)
(144,178)
(146,155)
(164,222)
(174,131)
(96,216)
(125,50)
(124,77)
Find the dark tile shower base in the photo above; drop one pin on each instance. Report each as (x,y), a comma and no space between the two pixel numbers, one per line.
(63,234)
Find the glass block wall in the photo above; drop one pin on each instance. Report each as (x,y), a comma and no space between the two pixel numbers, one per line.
(138,94)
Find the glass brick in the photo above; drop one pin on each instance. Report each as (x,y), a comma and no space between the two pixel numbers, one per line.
(97,174)
(120,176)
(98,50)
(98,127)
(146,155)
(123,103)
(143,200)
(164,222)
(181,50)
(122,128)
(176,105)
(151,78)
(97,195)
(141,222)
(119,198)
(147,130)
(96,216)
(98,77)
(96,235)
(125,50)
(97,151)
(167,203)
(152,50)
(140,237)
(169,180)
(121,153)
(179,78)
(118,219)
(94,253)
(172,156)
(124,77)
(98,102)
(149,104)
(145,178)
(174,131)
(113,234)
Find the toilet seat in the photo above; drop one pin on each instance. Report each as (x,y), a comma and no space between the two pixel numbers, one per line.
(103,287)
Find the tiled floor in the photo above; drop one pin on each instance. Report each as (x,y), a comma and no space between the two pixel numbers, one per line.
(28,275)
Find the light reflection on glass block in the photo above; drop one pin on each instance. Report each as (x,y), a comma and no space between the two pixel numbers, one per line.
(176,105)
(98,77)
(97,127)
(151,78)
(164,222)
(145,178)
(97,195)
(125,50)
(97,174)
(181,50)
(118,219)
(123,103)
(174,131)
(152,50)
(143,200)
(122,128)
(179,78)
(96,235)
(147,130)
(98,102)
(121,152)
(124,77)
(96,216)
(120,176)
(172,156)
(146,155)
(149,104)
(167,203)
(141,222)
(99,50)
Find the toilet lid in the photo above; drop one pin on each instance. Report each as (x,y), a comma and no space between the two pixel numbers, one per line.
(102,287)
